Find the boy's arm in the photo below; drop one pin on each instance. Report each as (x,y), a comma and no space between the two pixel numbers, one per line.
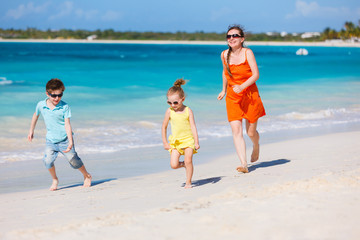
(32,126)
(68,130)
(164,129)
(193,129)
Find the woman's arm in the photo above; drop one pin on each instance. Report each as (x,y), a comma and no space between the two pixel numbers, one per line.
(224,87)
(254,70)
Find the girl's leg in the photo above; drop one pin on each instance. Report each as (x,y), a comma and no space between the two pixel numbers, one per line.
(189,166)
(55,182)
(255,138)
(239,142)
(174,159)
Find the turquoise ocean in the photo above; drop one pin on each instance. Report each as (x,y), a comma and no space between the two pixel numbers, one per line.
(117,92)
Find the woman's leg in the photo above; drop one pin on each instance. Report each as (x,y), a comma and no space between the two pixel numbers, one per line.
(255,137)
(239,142)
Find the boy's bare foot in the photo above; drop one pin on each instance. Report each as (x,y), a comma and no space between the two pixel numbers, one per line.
(255,153)
(242,169)
(54,185)
(188,186)
(87,181)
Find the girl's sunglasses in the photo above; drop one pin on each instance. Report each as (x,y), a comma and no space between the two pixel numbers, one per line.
(171,103)
(55,95)
(233,35)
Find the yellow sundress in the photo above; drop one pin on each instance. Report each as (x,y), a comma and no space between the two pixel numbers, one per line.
(181,135)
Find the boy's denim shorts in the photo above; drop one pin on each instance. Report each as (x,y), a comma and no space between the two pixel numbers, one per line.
(53,149)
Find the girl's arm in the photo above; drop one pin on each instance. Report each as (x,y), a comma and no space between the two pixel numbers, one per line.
(32,126)
(254,70)
(164,129)
(223,92)
(193,129)
(68,130)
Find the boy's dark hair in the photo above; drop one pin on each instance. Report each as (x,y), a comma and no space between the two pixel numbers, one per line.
(55,84)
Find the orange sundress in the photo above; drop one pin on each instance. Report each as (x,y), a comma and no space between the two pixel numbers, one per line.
(246,104)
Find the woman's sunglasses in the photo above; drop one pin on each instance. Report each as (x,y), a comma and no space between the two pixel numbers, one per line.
(171,103)
(233,35)
(55,95)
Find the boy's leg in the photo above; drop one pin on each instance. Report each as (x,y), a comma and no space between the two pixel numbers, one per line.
(189,166)
(174,159)
(75,162)
(49,159)
(55,182)
(87,176)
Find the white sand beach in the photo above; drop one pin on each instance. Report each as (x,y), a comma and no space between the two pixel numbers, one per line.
(306,188)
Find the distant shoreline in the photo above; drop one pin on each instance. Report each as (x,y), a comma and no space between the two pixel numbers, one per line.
(249,43)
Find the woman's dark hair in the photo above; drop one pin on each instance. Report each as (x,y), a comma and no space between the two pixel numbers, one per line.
(241,32)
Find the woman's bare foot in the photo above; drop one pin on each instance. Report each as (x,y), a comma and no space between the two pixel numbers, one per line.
(87,181)
(255,153)
(54,185)
(188,186)
(242,169)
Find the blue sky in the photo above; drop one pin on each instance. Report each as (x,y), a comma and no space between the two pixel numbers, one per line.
(184,15)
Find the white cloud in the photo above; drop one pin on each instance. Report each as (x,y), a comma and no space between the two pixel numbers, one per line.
(65,9)
(111,16)
(313,9)
(306,9)
(23,10)
(88,15)
(218,14)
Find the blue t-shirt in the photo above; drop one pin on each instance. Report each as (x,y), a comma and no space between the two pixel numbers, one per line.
(54,119)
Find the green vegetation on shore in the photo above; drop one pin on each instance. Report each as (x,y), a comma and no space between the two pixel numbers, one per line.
(349,31)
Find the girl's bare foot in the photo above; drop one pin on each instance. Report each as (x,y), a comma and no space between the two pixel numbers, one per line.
(242,169)
(255,153)
(87,181)
(54,185)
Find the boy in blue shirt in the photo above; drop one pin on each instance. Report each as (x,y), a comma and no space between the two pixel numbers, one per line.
(56,114)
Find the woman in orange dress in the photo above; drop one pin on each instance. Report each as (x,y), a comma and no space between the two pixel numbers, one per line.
(243,101)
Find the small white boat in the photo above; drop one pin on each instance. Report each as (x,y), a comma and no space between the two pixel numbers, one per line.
(4,81)
(302,51)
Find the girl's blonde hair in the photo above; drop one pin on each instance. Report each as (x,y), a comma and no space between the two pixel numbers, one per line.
(177,89)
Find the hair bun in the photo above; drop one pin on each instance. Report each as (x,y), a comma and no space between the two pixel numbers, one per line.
(179,82)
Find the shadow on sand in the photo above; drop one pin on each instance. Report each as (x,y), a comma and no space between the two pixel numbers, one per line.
(93,183)
(268,164)
(201,182)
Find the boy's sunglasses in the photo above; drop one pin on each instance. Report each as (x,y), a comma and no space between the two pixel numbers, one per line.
(55,95)
(171,103)
(233,35)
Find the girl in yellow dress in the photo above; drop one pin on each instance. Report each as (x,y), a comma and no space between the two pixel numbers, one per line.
(184,138)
